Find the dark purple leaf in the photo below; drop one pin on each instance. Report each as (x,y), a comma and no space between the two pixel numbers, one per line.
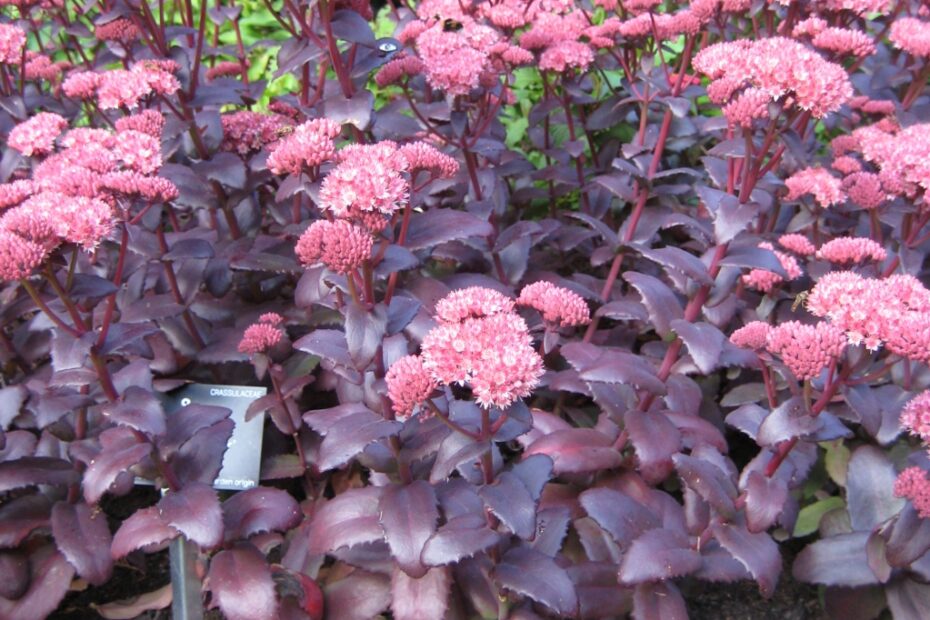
(708,481)
(139,409)
(88,286)
(401,311)
(623,310)
(836,561)
(606,233)
(551,529)
(696,431)
(757,552)
(224,168)
(257,510)
(241,584)
(765,500)
(364,332)
(461,537)
(678,260)
(618,514)
(195,512)
(577,450)
(790,419)
(190,248)
(658,554)
(350,26)
(409,517)
(51,579)
(537,576)
(658,601)
(908,600)
(875,550)
(350,435)
(599,594)
(349,519)
(534,472)
(145,527)
(720,566)
(11,402)
(415,598)
(327,344)
(187,421)
(747,419)
(455,452)
(661,303)
(355,110)
(870,495)
(620,367)
(751,257)
(34,470)
(509,499)
(730,216)
(908,539)
(14,574)
(20,516)
(200,459)
(360,596)
(440,225)
(152,307)
(655,440)
(83,536)
(704,342)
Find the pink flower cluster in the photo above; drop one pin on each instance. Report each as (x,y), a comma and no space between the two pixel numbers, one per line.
(408,385)
(423,156)
(227,68)
(19,256)
(902,156)
(753,335)
(851,250)
(399,67)
(245,132)
(915,416)
(488,348)
(260,337)
(782,68)
(123,88)
(120,29)
(911,35)
(340,245)
(367,184)
(912,484)
(764,280)
(871,311)
(41,67)
(558,305)
(806,349)
(36,136)
(865,189)
(12,42)
(310,144)
(799,244)
(843,41)
(826,188)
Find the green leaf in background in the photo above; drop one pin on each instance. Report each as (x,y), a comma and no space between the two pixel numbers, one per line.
(836,460)
(809,517)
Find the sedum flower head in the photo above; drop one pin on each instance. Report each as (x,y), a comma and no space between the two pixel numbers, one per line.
(259,338)
(340,245)
(558,305)
(915,416)
(912,484)
(851,250)
(12,42)
(471,302)
(368,180)
(806,349)
(764,280)
(19,257)
(799,244)
(911,35)
(826,188)
(36,136)
(408,384)
(310,144)
(753,335)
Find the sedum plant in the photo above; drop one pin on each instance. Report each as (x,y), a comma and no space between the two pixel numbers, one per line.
(560,305)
